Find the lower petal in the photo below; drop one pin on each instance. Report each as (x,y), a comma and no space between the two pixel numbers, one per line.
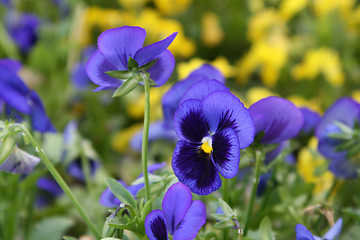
(344,168)
(155,227)
(195,169)
(226,152)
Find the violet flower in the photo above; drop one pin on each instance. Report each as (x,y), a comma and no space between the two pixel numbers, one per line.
(117,50)
(49,190)
(338,134)
(180,217)
(333,234)
(211,134)
(79,77)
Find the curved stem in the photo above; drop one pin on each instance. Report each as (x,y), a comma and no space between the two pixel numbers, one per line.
(144,147)
(225,189)
(59,179)
(258,159)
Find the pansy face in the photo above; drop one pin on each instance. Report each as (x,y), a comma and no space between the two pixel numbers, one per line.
(211,131)
(115,46)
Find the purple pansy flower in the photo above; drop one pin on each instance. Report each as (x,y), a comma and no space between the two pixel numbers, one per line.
(333,234)
(19,162)
(108,199)
(18,98)
(180,217)
(344,112)
(212,129)
(170,101)
(79,75)
(48,191)
(116,46)
(311,120)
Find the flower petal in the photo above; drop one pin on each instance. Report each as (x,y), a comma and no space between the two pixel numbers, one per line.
(171,99)
(75,169)
(19,162)
(194,169)
(96,68)
(344,168)
(311,120)
(327,148)
(13,90)
(49,186)
(194,219)
(118,44)
(302,233)
(163,68)
(190,122)
(150,52)
(229,112)
(278,117)
(39,120)
(11,64)
(108,199)
(226,152)
(203,88)
(155,227)
(175,205)
(334,231)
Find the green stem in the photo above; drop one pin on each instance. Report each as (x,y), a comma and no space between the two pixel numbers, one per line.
(258,159)
(59,179)
(225,188)
(86,169)
(144,149)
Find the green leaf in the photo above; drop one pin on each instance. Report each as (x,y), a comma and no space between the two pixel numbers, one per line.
(147,66)
(265,229)
(132,64)
(146,209)
(69,238)
(123,74)
(152,83)
(152,178)
(155,188)
(51,228)
(220,217)
(224,224)
(6,147)
(226,208)
(110,238)
(354,213)
(120,192)
(126,87)
(124,223)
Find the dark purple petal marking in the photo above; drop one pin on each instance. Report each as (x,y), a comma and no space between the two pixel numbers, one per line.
(194,168)
(155,227)
(190,123)
(226,152)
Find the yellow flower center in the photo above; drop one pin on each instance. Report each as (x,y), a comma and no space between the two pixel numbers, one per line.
(207,145)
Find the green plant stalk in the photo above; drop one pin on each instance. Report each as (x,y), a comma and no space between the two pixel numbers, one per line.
(86,169)
(258,160)
(144,146)
(225,188)
(59,179)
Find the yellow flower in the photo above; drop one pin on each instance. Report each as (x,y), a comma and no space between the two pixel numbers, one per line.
(257,93)
(256,5)
(288,8)
(172,7)
(211,31)
(310,166)
(324,7)
(322,60)
(356,95)
(120,142)
(300,101)
(133,4)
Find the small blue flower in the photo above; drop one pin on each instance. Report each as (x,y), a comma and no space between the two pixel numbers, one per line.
(115,46)
(212,129)
(346,112)
(19,162)
(333,234)
(180,217)
(79,77)
(49,190)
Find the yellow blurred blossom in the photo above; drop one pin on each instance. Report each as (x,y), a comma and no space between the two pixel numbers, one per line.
(356,95)
(172,7)
(256,5)
(133,4)
(288,8)
(120,142)
(211,31)
(322,60)
(324,7)
(255,94)
(221,63)
(309,166)
(300,101)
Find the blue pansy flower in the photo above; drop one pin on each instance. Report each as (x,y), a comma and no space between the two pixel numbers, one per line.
(165,129)
(18,99)
(180,217)
(79,77)
(23,29)
(108,199)
(311,120)
(333,234)
(211,131)
(49,190)
(344,113)
(115,46)
(19,162)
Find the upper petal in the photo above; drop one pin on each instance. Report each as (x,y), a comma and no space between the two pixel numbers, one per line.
(226,152)
(302,233)
(194,219)
(155,227)
(150,52)
(175,205)
(222,110)
(163,68)
(195,169)
(202,88)
(108,199)
(39,120)
(96,68)
(279,118)
(190,122)
(118,44)
(334,231)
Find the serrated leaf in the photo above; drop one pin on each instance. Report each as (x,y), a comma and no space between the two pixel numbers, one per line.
(226,208)
(265,229)
(132,64)
(120,192)
(224,224)
(147,66)
(51,228)
(126,87)
(123,74)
